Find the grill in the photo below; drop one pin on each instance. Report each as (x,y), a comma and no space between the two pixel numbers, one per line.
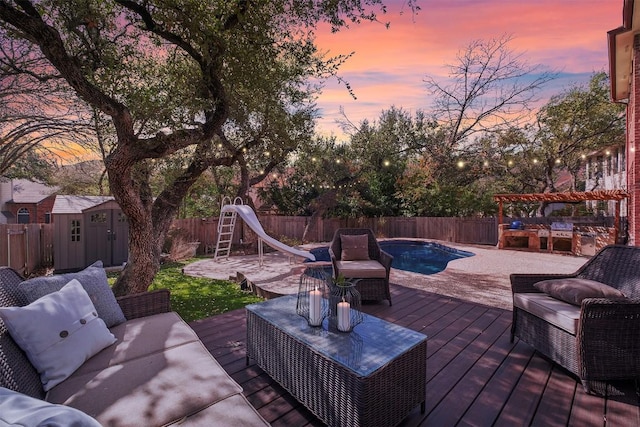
(562,229)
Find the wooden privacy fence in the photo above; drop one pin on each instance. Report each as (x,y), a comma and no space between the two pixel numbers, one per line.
(26,246)
(291,229)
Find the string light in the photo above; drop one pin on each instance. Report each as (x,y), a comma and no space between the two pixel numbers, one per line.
(461,164)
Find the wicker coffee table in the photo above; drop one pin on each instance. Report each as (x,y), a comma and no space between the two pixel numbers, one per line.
(373,376)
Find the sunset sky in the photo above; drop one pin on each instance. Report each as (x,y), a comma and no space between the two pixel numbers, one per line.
(389,65)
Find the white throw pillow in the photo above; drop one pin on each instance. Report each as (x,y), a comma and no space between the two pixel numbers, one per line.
(17,409)
(58,332)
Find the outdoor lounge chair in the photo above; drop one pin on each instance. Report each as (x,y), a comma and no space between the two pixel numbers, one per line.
(596,338)
(356,255)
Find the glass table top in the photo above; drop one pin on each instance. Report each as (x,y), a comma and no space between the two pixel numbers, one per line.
(371,345)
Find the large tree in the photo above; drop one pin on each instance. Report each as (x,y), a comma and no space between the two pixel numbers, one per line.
(575,122)
(168,74)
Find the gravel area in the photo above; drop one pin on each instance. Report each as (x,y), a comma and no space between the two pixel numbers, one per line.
(482,278)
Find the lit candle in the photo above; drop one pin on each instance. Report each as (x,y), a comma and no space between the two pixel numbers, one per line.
(344,320)
(315,310)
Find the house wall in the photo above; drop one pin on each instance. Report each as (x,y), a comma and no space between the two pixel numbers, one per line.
(607,170)
(15,207)
(45,207)
(37,211)
(633,155)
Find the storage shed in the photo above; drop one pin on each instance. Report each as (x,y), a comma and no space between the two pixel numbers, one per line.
(87,229)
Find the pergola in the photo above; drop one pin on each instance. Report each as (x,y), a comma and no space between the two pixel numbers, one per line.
(568,197)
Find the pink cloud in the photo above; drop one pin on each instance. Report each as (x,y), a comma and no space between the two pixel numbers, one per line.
(390,64)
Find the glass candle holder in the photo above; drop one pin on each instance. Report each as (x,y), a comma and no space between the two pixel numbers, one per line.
(345,307)
(313,293)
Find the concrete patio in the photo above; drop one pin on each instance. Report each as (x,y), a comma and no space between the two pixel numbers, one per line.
(482,278)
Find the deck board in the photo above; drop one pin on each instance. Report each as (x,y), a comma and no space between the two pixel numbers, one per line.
(475,375)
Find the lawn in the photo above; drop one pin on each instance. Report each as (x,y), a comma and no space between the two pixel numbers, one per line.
(195,298)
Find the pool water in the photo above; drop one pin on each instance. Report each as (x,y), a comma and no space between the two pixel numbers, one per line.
(411,255)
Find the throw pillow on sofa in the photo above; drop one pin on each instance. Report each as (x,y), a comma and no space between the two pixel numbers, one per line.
(574,290)
(17,409)
(93,280)
(58,332)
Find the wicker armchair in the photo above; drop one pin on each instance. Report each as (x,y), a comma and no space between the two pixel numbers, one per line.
(371,285)
(606,343)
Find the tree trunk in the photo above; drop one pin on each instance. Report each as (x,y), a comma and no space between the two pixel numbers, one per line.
(319,207)
(143,262)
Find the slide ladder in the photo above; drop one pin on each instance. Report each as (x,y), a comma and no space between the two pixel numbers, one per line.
(226,226)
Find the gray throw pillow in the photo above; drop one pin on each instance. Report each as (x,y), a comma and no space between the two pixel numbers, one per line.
(93,280)
(354,247)
(574,290)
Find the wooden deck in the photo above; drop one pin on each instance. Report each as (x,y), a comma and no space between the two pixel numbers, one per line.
(475,376)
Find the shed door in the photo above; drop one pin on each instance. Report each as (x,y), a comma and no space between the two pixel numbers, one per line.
(119,237)
(107,237)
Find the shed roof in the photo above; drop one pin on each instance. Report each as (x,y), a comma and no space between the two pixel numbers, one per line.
(77,204)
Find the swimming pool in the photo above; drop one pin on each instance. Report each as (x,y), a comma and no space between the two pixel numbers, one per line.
(411,255)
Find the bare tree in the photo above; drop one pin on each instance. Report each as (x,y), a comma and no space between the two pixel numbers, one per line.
(39,116)
(490,88)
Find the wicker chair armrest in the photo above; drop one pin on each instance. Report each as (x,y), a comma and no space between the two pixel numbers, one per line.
(524,282)
(145,304)
(334,262)
(385,259)
(609,339)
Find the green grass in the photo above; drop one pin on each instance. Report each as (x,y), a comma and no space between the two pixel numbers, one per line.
(195,298)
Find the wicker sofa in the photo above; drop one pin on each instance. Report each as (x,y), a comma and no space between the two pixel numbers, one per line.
(371,270)
(157,372)
(598,338)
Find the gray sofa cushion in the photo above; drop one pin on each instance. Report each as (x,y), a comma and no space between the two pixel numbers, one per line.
(233,411)
(140,337)
(152,390)
(93,280)
(559,313)
(574,290)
